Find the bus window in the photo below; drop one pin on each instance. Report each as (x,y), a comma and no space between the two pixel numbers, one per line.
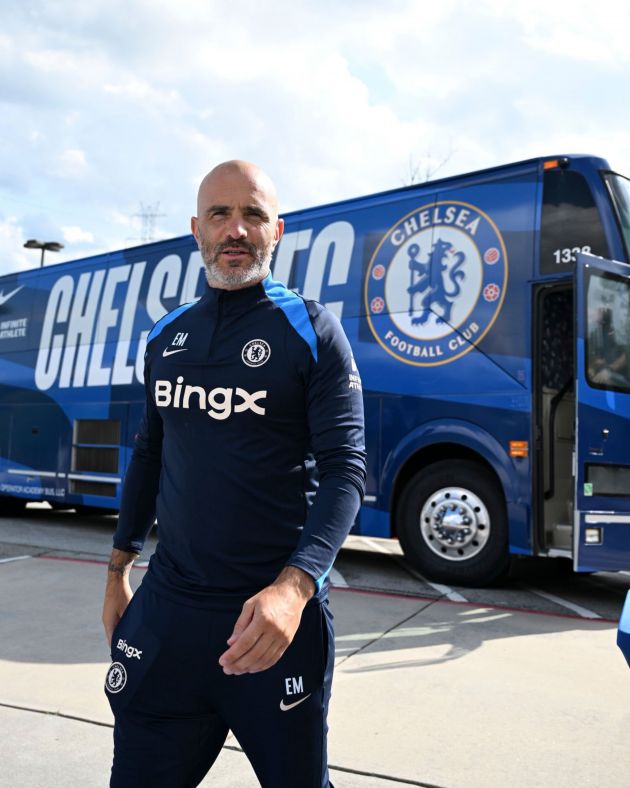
(620,193)
(570,221)
(608,332)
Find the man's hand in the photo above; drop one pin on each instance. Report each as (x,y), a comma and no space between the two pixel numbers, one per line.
(118,591)
(268,623)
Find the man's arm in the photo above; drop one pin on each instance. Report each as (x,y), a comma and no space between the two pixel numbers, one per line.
(269,620)
(620,362)
(136,516)
(118,591)
(336,427)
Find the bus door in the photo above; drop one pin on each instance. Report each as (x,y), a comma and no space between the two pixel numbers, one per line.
(601,537)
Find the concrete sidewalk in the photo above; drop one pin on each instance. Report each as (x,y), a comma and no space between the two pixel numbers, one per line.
(425,692)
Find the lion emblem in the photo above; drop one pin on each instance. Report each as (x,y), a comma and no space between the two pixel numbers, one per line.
(438,281)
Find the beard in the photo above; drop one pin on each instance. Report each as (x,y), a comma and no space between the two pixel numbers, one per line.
(240,274)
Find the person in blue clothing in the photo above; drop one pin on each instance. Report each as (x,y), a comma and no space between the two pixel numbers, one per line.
(251,457)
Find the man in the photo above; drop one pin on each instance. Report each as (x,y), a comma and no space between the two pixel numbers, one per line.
(251,452)
(608,363)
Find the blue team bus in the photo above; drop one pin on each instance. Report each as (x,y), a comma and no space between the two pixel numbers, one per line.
(489,323)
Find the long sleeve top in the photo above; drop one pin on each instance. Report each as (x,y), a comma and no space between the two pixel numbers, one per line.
(251,448)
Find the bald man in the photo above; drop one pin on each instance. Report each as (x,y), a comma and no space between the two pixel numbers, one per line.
(251,455)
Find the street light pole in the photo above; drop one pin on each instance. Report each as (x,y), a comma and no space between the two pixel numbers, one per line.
(51,246)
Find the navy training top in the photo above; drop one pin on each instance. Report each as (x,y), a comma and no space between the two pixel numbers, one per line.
(251,448)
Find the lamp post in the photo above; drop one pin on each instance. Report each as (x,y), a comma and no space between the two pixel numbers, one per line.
(52,246)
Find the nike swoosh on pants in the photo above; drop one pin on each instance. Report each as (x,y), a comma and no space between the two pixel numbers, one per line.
(286,706)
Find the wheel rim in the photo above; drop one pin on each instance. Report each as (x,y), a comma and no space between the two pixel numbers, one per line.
(455,524)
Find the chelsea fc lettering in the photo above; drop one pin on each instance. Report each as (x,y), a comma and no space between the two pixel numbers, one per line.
(96,323)
(88,332)
(439,214)
(219,399)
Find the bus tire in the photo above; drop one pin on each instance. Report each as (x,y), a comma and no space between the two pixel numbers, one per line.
(452,524)
(12,507)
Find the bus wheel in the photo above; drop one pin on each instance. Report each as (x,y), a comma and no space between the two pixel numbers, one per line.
(452,524)
(11,507)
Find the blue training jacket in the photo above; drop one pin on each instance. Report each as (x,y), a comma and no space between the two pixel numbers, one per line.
(251,449)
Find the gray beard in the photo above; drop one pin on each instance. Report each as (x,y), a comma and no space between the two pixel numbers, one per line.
(238,277)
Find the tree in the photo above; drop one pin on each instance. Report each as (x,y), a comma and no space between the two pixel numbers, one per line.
(425,168)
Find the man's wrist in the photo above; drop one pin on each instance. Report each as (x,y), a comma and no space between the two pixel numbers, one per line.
(120,564)
(297,579)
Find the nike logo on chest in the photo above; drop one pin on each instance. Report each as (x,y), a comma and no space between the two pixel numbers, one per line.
(166,352)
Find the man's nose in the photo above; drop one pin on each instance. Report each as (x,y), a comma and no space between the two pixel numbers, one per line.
(236,228)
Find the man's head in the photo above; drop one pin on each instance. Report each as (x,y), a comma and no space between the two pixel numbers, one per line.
(237,225)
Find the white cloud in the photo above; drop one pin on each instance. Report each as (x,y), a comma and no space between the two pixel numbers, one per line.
(332,98)
(574,29)
(11,245)
(70,163)
(73,235)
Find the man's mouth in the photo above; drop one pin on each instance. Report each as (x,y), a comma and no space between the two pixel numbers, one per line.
(235,251)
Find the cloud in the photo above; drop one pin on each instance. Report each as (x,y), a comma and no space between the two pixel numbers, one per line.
(331,98)
(70,163)
(73,235)
(11,245)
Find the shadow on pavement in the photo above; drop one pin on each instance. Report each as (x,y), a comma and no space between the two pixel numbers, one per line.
(51,610)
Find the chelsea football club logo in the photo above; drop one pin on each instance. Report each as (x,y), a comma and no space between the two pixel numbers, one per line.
(256,353)
(116,677)
(436,283)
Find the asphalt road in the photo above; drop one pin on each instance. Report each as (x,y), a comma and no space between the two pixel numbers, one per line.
(433,685)
(376,565)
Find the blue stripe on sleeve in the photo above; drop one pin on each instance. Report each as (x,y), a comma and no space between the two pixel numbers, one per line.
(164,321)
(320,580)
(295,310)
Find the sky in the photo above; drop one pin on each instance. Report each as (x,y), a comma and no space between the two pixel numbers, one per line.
(115,108)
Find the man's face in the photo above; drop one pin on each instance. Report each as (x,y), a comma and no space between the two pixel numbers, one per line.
(237,227)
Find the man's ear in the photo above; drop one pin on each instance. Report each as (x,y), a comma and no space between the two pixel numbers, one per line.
(194,227)
(279,229)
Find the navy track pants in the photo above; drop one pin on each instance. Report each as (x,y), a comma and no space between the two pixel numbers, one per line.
(173,705)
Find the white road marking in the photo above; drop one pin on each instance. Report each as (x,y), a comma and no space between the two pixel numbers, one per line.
(337,579)
(14,558)
(581,611)
(448,592)
(376,546)
(484,618)
(441,589)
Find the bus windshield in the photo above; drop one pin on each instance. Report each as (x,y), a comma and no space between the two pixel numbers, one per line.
(620,192)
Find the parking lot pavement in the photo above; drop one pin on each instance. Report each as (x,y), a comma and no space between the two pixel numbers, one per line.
(74,754)
(426,692)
